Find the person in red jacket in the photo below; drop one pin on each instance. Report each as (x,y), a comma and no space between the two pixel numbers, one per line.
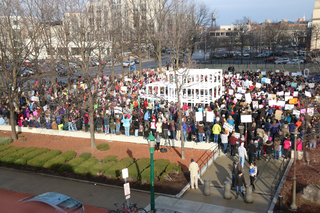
(86,122)
(233,142)
(299,144)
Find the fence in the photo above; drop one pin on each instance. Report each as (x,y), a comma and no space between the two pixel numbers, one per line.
(277,179)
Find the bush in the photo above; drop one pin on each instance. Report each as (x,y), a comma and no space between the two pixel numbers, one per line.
(85,156)
(43,158)
(4,147)
(115,170)
(9,151)
(137,168)
(103,147)
(171,168)
(71,165)
(85,166)
(13,156)
(5,140)
(23,160)
(57,161)
(99,169)
(21,137)
(159,166)
(110,158)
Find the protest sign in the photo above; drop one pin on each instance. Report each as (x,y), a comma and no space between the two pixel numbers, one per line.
(295,94)
(272,103)
(263,80)
(294,85)
(233,85)
(310,111)
(311,85)
(289,106)
(117,110)
(258,85)
(281,103)
(308,94)
(278,115)
(199,116)
(255,104)
(287,94)
(277,71)
(209,117)
(237,135)
(230,91)
(286,73)
(246,118)
(287,98)
(248,98)
(34,98)
(263,72)
(280,93)
(240,89)
(268,81)
(261,106)
(272,97)
(296,112)
(238,96)
(293,100)
(228,126)
(302,111)
(124,89)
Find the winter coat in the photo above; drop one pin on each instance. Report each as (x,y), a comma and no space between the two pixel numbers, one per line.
(286,144)
(200,128)
(240,181)
(269,147)
(126,121)
(216,129)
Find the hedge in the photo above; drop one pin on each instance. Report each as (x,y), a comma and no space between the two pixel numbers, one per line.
(137,168)
(71,165)
(103,147)
(10,151)
(5,140)
(171,168)
(85,155)
(4,147)
(57,161)
(99,169)
(23,160)
(85,166)
(159,166)
(43,158)
(115,170)
(13,156)
(110,158)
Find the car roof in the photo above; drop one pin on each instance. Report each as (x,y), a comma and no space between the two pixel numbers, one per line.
(52,198)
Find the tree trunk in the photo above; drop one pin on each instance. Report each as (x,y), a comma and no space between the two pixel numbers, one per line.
(241,53)
(159,57)
(178,88)
(91,114)
(155,63)
(12,121)
(37,69)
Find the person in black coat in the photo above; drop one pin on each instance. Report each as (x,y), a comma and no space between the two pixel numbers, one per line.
(239,182)
(251,151)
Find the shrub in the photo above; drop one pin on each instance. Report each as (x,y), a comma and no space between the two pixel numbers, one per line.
(85,166)
(85,156)
(103,147)
(5,140)
(13,156)
(23,160)
(137,168)
(57,161)
(71,165)
(171,168)
(4,147)
(110,158)
(99,169)
(43,158)
(115,170)
(159,166)
(21,137)
(9,151)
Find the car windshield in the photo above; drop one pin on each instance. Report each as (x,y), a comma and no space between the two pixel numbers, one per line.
(69,204)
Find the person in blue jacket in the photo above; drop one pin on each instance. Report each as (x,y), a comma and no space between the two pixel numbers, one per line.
(126,124)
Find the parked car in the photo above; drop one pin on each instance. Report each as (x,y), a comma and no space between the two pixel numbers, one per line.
(128,63)
(53,201)
(295,61)
(282,61)
(136,60)
(94,62)
(271,59)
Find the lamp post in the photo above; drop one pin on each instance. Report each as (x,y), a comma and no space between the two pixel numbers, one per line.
(293,205)
(151,140)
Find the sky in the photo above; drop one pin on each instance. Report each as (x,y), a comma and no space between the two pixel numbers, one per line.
(259,10)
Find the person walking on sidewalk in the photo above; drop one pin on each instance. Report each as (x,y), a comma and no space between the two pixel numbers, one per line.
(251,151)
(236,168)
(193,168)
(253,169)
(242,154)
(239,183)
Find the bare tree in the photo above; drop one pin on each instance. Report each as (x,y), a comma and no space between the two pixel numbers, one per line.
(273,32)
(243,32)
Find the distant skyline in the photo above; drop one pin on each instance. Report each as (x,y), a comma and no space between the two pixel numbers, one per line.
(228,11)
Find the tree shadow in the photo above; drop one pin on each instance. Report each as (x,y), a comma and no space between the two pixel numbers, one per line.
(183,166)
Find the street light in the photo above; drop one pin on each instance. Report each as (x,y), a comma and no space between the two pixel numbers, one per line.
(293,205)
(151,140)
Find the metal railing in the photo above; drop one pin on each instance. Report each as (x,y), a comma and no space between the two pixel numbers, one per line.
(277,179)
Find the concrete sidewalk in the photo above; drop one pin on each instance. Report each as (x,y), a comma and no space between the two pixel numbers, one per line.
(108,137)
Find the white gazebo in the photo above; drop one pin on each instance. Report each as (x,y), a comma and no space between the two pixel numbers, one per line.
(197,86)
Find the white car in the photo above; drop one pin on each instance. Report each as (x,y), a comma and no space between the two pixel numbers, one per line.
(128,63)
(282,61)
(296,61)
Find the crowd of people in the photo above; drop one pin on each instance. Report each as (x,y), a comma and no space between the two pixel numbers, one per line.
(277,103)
